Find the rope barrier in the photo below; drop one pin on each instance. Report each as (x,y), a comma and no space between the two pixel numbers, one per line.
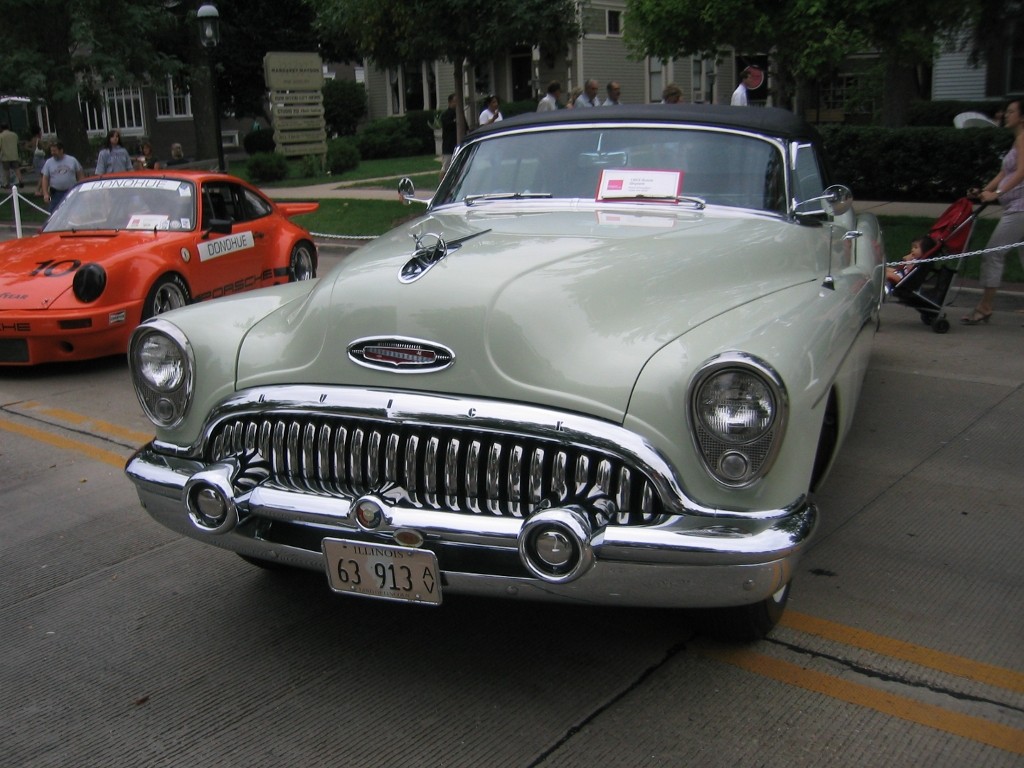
(343,237)
(982,252)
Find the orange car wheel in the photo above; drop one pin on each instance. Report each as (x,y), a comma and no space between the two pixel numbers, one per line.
(169,292)
(302,265)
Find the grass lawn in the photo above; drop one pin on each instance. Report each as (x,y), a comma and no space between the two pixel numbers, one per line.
(425,170)
(357,217)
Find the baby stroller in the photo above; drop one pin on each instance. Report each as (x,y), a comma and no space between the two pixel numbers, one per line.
(925,286)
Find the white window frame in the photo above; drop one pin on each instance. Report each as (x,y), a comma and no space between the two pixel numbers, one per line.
(124,111)
(121,109)
(173,103)
(608,22)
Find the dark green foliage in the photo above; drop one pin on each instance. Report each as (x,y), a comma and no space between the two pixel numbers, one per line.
(388,137)
(512,108)
(342,155)
(267,166)
(420,129)
(941,113)
(258,141)
(928,165)
(344,106)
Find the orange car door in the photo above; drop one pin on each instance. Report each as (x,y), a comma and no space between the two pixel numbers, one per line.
(236,261)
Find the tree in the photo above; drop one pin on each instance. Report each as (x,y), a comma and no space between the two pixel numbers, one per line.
(393,32)
(61,49)
(808,39)
(803,36)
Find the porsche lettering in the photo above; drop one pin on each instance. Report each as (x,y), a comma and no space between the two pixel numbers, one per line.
(223,246)
(244,284)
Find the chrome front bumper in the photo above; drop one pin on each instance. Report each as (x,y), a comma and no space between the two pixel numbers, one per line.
(684,561)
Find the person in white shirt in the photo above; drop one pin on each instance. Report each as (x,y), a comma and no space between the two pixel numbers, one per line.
(491,114)
(589,96)
(749,80)
(550,100)
(614,91)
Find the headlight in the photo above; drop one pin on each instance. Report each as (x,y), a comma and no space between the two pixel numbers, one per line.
(738,407)
(89,282)
(162,369)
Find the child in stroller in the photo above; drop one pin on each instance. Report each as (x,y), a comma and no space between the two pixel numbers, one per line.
(924,286)
(920,248)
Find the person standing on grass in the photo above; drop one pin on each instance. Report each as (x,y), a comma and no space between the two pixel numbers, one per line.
(60,173)
(10,160)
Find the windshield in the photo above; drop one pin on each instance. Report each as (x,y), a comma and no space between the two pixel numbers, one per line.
(126,203)
(625,162)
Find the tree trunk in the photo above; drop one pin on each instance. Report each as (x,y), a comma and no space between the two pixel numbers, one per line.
(70,126)
(460,101)
(900,88)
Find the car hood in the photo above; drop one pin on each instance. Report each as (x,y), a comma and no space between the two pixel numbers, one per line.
(557,308)
(36,271)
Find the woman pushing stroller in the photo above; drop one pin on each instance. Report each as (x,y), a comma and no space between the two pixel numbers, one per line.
(1008,188)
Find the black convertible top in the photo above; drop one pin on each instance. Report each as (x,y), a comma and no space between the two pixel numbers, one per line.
(766,120)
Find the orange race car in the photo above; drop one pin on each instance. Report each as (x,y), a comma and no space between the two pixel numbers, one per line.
(125,247)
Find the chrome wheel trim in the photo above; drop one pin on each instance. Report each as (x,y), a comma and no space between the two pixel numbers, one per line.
(302,263)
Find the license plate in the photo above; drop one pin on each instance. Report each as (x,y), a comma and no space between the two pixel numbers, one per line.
(382,571)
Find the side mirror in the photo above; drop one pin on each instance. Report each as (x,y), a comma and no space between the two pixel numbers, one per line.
(835,201)
(218,226)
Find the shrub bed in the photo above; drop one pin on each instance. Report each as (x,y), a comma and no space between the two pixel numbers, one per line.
(920,164)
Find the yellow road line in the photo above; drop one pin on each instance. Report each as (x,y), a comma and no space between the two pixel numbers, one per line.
(966,726)
(95,425)
(97,454)
(977,671)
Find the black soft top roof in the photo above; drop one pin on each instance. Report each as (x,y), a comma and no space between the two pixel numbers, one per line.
(766,120)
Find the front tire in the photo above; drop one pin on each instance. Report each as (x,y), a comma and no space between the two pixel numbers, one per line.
(169,292)
(302,264)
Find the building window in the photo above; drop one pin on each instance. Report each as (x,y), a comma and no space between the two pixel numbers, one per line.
(124,109)
(843,96)
(93,116)
(121,109)
(173,101)
(655,78)
(614,23)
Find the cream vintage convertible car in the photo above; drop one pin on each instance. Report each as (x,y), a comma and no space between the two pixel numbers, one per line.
(609,364)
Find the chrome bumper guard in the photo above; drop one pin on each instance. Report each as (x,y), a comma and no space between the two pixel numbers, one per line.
(683,561)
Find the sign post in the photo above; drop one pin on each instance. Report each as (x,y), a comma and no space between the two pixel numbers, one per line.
(295,82)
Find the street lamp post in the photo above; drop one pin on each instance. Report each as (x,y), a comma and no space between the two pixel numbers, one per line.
(209,36)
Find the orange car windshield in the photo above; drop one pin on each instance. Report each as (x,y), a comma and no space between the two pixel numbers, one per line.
(124,203)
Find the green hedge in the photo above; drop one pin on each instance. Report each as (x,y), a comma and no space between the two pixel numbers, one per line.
(259,141)
(267,166)
(342,154)
(389,137)
(941,113)
(927,165)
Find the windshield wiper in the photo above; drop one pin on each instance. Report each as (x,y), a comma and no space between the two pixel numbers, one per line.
(471,199)
(699,202)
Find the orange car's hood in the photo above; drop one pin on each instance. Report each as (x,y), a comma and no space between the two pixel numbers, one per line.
(35,271)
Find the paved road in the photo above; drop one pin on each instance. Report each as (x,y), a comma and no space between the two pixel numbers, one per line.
(124,645)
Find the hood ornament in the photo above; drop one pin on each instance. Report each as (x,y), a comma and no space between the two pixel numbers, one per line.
(399,354)
(426,256)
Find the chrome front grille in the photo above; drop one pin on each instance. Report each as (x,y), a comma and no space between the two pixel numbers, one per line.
(436,467)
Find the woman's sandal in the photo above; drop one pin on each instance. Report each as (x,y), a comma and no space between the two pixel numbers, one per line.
(976,317)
